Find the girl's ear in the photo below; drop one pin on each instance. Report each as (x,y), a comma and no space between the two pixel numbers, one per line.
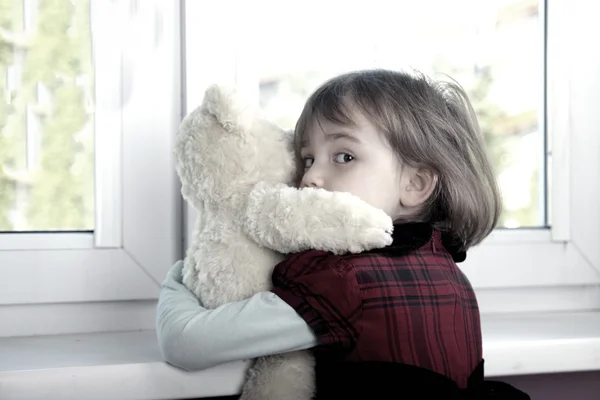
(420,185)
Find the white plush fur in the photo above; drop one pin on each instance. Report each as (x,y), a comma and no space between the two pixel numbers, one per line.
(236,169)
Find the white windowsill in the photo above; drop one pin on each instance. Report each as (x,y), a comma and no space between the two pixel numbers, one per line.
(127,365)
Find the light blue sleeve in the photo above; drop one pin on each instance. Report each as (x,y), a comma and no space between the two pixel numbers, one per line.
(193,338)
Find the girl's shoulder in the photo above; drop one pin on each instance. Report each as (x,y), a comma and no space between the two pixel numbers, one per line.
(414,246)
(317,261)
(310,262)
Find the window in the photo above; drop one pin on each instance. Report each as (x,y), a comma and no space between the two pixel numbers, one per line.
(533,90)
(478,48)
(47,141)
(90,205)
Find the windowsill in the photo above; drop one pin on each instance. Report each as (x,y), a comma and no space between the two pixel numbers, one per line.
(129,364)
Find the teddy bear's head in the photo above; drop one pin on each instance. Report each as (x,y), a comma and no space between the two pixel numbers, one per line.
(225,146)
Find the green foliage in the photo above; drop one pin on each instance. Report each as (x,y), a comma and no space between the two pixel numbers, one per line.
(55,90)
(493,122)
(490,117)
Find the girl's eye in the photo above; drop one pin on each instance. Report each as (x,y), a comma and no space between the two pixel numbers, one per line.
(343,158)
(308,161)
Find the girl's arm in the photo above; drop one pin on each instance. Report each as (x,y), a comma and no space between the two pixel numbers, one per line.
(193,338)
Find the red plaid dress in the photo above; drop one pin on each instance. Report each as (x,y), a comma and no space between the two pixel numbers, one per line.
(408,303)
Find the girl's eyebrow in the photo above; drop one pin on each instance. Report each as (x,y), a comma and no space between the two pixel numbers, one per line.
(333,137)
(342,135)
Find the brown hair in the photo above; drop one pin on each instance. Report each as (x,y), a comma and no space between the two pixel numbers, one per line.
(428,124)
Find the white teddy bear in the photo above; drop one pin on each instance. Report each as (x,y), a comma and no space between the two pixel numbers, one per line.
(237,170)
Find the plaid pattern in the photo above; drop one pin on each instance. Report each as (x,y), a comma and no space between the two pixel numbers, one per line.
(408,303)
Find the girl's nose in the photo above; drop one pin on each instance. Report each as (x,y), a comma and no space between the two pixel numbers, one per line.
(312,179)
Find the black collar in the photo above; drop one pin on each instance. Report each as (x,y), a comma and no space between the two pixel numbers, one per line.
(414,235)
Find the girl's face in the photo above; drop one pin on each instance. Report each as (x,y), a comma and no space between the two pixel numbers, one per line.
(355,159)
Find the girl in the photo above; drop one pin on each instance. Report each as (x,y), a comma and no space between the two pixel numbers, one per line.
(386,322)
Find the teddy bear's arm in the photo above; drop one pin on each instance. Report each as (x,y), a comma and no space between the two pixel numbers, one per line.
(289,220)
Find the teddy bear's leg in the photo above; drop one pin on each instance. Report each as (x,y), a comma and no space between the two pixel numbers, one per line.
(287,376)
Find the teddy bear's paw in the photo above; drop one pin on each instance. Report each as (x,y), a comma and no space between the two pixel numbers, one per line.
(363,227)
(374,231)
(368,239)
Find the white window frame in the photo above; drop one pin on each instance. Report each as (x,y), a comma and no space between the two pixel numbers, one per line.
(556,268)
(546,269)
(138,222)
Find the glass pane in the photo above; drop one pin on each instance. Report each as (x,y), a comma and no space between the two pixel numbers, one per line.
(493,49)
(46,116)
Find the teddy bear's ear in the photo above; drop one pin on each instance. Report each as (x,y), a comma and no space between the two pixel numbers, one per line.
(228,106)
